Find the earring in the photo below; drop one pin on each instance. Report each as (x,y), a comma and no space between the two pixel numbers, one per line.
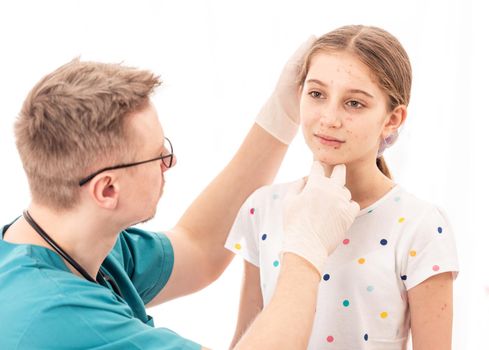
(387,142)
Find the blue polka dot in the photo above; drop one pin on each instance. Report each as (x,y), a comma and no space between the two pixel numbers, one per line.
(404,277)
(440,230)
(365,337)
(346,303)
(275,263)
(370,288)
(264,237)
(326,277)
(383,241)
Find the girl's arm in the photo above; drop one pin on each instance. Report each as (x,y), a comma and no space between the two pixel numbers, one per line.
(431,306)
(251,301)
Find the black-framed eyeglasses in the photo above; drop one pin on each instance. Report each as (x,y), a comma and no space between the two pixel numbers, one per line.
(166,159)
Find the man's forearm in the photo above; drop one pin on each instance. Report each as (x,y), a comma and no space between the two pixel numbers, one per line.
(286,322)
(210,217)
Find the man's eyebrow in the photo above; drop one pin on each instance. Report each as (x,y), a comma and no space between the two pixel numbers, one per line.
(353,91)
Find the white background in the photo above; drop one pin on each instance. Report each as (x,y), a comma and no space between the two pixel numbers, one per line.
(219,61)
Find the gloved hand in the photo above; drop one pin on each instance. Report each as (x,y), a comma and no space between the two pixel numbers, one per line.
(317,216)
(280,114)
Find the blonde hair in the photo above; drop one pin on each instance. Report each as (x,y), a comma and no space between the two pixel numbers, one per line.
(74,119)
(381,52)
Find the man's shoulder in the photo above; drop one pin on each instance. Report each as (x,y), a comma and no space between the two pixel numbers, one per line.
(32,290)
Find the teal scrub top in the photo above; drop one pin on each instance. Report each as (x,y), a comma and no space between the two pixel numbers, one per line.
(45,306)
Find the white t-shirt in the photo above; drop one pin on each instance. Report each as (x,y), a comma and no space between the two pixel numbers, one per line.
(392,246)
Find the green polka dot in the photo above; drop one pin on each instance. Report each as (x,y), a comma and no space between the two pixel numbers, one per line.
(275,263)
(346,303)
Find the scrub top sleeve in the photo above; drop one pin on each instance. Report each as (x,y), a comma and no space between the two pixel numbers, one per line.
(431,251)
(94,320)
(242,239)
(148,260)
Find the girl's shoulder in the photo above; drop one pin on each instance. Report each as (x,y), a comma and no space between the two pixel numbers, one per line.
(413,214)
(401,199)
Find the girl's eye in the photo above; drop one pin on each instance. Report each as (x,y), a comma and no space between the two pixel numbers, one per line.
(355,104)
(315,94)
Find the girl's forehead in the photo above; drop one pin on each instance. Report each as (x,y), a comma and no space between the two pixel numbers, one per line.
(338,64)
(340,67)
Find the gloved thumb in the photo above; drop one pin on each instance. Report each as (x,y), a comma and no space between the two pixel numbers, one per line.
(338,175)
(317,170)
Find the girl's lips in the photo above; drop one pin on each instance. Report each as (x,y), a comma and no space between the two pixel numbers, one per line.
(329,141)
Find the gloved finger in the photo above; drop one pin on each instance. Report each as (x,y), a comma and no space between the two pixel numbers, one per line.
(316,175)
(338,175)
(317,170)
(346,193)
(298,56)
(355,207)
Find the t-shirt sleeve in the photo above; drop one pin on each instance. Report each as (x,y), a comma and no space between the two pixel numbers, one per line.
(243,237)
(430,250)
(91,319)
(148,260)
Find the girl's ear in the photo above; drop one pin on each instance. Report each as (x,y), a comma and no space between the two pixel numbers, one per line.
(394,120)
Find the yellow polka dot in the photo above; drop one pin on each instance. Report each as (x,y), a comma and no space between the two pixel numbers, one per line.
(361,261)
(401,220)
(412,253)
(237,246)
(384,314)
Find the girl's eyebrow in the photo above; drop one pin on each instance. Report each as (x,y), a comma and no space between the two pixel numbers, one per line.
(357,91)
(354,91)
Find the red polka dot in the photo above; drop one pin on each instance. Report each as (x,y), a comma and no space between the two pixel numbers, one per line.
(252,211)
(346,241)
(436,267)
(330,339)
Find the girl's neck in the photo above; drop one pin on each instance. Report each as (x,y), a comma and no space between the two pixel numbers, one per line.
(366,183)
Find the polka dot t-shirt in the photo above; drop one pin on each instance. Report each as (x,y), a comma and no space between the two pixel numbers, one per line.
(392,246)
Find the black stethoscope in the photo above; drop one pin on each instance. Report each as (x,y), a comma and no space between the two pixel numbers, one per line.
(100,274)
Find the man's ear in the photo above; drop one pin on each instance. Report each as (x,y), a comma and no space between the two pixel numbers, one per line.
(105,190)
(394,120)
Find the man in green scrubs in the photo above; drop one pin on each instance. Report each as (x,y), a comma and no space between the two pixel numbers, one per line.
(95,156)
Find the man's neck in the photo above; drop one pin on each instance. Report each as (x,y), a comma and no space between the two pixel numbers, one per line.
(87,239)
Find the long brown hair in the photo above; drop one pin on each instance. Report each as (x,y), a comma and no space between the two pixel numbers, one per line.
(381,52)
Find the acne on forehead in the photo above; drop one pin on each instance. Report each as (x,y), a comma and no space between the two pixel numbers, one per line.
(324,63)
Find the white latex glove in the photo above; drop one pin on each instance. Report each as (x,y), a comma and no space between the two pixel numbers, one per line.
(280,114)
(317,216)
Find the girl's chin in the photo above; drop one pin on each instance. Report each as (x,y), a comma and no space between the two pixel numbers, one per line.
(331,161)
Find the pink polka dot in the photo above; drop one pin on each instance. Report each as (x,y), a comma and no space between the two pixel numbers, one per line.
(330,339)
(436,267)
(252,211)
(346,241)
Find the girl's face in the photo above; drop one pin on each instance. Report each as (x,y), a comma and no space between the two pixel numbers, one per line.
(343,111)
